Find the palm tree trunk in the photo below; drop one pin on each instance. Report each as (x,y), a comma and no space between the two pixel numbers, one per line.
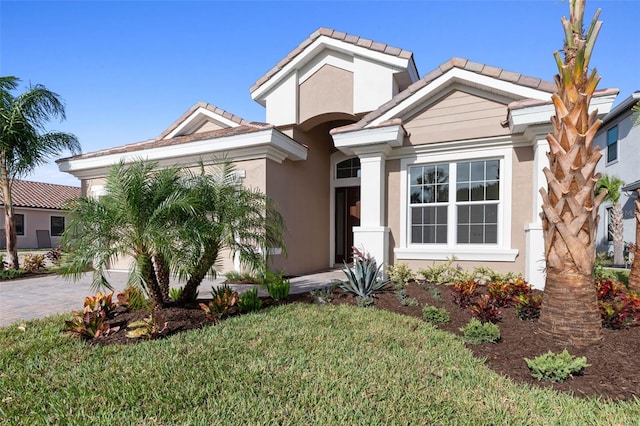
(10,227)
(162,275)
(564,312)
(204,265)
(569,312)
(634,275)
(618,235)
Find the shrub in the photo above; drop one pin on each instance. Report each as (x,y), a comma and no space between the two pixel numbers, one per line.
(33,262)
(503,292)
(435,315)
(485,310)
(619,308)
(91,321)
(249,301)
(279,289)
(3,264)
(176,292)
(464,292)
(404,300)
(528,305)
(224,299)
(89,324)
(363,278)
(133,298)
(556,367)
(477,332)
(11,274)
(100,301)
(323,295)
(55,255)
(401,274)
(444,273)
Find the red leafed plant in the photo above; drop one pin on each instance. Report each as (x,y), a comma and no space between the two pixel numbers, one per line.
(464,292)
(485,310)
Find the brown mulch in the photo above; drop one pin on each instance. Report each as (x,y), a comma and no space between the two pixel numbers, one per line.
(614,363)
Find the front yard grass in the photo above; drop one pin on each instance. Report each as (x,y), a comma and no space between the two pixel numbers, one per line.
(294,364)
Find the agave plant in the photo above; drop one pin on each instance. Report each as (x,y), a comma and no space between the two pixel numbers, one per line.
(363,278)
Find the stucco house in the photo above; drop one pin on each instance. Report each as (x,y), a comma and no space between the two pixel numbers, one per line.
(358,149)
(619,141)
(39,213)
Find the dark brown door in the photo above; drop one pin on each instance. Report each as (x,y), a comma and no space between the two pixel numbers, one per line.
(347,216)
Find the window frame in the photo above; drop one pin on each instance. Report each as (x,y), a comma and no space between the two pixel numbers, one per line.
(612,145)
(499,251)
(64,225)
(15,216)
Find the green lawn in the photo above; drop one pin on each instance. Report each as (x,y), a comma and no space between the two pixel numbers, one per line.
(295,364)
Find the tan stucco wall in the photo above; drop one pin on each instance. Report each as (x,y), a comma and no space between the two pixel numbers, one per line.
(392,213)
(35,219)
(301,190)
(330,89)
(457,115)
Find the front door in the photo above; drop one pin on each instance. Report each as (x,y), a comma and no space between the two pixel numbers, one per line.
(347,216)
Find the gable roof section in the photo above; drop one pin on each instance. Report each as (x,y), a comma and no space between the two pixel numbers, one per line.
(201,112)
(299,53)
(41,195)
(485,72)
(178,140)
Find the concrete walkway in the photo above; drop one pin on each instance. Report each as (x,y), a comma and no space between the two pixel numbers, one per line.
(25,299)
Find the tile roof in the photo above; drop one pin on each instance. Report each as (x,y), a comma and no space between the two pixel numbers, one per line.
(213,109)
(460,63)
(159,142)
(337,35)
(41,195)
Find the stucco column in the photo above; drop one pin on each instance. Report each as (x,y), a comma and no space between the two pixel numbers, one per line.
(372,235)
(372,147)
(535,259)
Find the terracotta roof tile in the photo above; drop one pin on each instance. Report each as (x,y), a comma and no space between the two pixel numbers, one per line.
(208,107)
(337,35)
(160,142)
(41,195)
(454,62)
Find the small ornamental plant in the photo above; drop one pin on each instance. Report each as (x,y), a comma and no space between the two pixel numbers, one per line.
(249,301)
(528,305)
(485,310)
(400,274)
(477,333)
(279,289)
(224,299)
(363,279)
(435,315)
(556,367)
(464,292)
(133,298)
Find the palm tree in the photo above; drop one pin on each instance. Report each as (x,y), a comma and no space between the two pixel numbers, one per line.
(130,220)
(612,185)
(228,217)
(634,274)
(570,208)
(169,221)
(24,143)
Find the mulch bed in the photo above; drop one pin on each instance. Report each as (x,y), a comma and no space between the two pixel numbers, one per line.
(614,363)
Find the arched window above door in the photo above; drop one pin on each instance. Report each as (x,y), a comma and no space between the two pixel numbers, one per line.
(348,168)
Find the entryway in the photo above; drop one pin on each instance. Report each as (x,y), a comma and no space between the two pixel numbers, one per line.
(347,202)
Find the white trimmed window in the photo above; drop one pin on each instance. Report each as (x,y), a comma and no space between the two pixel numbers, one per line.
(612,144)
(465,194)
(457,205)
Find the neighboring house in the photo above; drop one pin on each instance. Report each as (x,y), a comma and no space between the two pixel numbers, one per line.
(39,213)
(619,143)
(360,150)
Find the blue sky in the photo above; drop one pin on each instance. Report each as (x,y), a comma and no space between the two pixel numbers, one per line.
(128,69)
